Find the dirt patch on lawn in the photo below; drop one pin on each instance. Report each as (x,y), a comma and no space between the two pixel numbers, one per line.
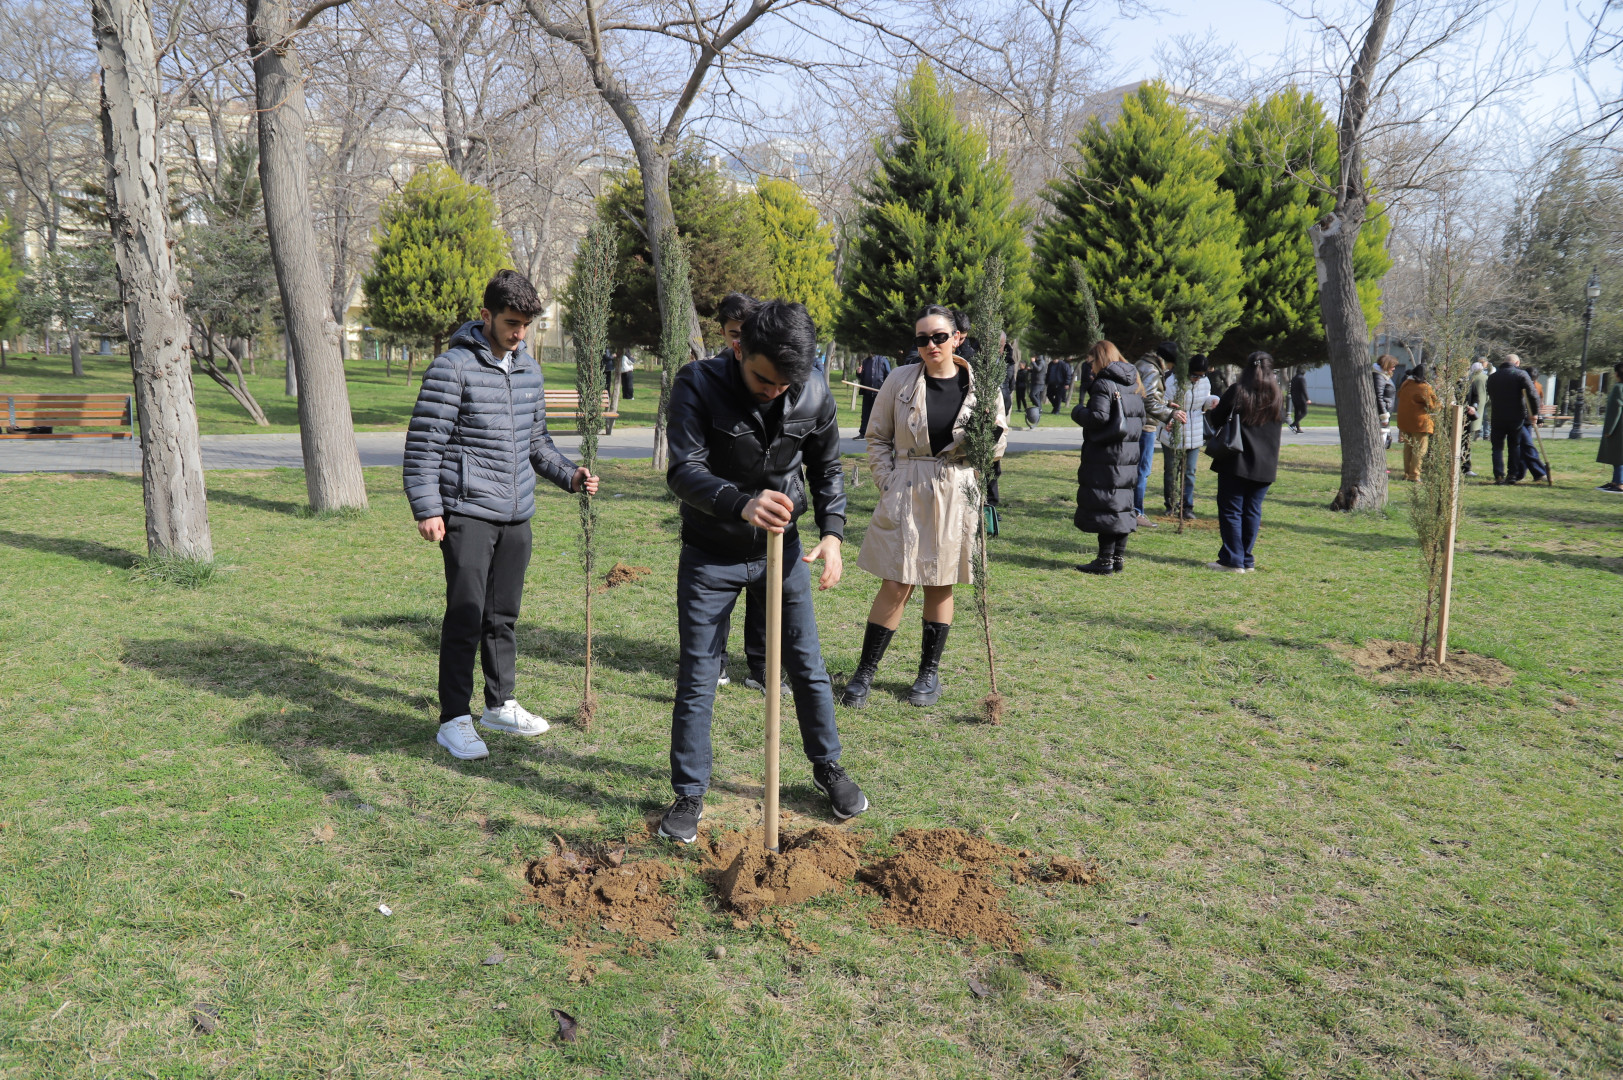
(1391,661)
(607,891)
(749,878)
(1198,524)
(622,574)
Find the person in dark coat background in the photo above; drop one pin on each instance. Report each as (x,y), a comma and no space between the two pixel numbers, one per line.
(1299,400)
(1509,391)
(1058,382)
(1611,433)
(1243,480)
(1109,471)
(874,371)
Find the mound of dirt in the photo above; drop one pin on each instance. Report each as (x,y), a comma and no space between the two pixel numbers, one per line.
(945,880)
(621,574)
(605,891)
(750,879)
(1390,661)
(1058,869)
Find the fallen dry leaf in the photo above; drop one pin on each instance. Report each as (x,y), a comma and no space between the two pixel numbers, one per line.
(205,1018)
(324,833)
(566,1025)
(978,988)
(494,958)
(1139,920)
(236,894)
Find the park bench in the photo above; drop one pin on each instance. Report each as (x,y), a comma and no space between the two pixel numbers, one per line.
(565,405)
(1547,415)
(37,416)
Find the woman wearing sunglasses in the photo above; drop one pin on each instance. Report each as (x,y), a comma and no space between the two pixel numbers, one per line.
(922,532)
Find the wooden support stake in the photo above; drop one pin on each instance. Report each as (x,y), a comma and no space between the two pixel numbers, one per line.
(774,674)
(1456,416)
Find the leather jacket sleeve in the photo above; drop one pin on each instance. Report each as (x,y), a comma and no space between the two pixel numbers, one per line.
(825,476)
(688,474)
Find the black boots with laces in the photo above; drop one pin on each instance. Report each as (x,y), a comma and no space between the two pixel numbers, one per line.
(875,640)
(927,687)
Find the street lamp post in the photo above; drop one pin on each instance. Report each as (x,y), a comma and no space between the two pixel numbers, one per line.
(1591,294)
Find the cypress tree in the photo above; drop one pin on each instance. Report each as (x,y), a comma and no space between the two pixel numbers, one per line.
(9,277)
(1281,164)
(589,326)
(437,247)
(934,212)
(1157,238)
(801,249)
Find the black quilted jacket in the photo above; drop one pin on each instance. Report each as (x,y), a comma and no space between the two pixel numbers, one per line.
(478,435)
(1109,471)
(720,459)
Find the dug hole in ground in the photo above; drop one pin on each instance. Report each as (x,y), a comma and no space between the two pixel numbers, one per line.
(942,880)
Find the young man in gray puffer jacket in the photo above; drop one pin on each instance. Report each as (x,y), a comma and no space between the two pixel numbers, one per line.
(478,440)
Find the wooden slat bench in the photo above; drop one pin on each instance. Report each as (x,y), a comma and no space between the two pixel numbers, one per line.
(37,416)
(565,405)
(1548,415)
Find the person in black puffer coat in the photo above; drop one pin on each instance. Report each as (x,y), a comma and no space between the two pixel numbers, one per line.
(1108,475)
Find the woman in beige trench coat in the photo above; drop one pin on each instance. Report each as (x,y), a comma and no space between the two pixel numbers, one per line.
(923,531)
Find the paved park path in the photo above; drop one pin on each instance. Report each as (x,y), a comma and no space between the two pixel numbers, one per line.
(281,451)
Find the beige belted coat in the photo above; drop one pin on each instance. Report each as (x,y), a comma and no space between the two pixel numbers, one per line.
(923,530)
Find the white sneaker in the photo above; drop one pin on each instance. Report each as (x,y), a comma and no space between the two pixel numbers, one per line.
(514,719)
(1225,568)
(458,737)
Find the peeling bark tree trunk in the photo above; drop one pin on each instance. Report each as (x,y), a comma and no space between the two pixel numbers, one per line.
(1363,453)
(171,462)
(75,355)
(332,465)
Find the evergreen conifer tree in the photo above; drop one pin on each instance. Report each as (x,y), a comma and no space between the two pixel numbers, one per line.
(437,246)
(1281,163)
(1157,238)
(801,248)
(722,242)
(934,211)
(9,278)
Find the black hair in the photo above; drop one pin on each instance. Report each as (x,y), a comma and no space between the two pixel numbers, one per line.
(735,307)
(783,333)
(960,319)
(511,291)
(1617,369)
(1168,351)
(1256,395)
(936,309)
(1197,363)
(1418,373)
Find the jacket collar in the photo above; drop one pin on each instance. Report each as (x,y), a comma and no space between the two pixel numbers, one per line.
(470,335)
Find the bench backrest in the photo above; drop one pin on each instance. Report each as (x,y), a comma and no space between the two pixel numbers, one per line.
(566,403)
(67,410)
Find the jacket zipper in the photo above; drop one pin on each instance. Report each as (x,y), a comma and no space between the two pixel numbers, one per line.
(512,424)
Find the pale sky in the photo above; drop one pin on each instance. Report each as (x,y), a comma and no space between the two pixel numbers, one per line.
(1260,30)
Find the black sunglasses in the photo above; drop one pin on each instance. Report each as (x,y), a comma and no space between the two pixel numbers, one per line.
(940,337)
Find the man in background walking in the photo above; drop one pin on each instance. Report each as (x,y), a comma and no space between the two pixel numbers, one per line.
(1509,391)
(1299,401)
(873,373)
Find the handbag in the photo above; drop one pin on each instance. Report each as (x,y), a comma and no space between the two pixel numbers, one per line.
(1227,441)
(1114,429)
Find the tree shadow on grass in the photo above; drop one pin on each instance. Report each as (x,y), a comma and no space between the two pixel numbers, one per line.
(1609,563)
(336,704)
(90,551)
(254,502)
(1363,541)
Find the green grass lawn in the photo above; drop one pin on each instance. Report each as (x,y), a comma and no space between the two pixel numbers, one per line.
(378,400)
(206,795)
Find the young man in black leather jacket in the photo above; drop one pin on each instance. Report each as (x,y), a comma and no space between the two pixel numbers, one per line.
(747,438)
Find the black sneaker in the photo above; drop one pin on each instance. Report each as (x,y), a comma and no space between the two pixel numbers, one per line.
(681,820)
(756,680)
(843,794)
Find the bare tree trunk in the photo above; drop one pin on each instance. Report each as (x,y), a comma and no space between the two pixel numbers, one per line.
(290,371)
(237,390)
(332,465)
(75,355)
(171,460)
(1363,453)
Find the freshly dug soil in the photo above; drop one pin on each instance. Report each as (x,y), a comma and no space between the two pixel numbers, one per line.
(590,889)
(1390,661)
(621,574)
(944,880)
(1058,868)
(750,879)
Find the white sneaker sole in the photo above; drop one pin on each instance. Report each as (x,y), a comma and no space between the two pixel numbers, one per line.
(680,839)
(497,725)
(458,754)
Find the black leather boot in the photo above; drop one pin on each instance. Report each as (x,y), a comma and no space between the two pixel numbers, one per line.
(875,640)
(927,687)
(1106,561)
(1119,556)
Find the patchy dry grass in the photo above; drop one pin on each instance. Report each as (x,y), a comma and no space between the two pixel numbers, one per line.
(208,792)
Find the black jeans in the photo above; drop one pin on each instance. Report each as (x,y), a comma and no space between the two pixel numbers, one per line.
(707,588)
(628,388)
(485,563)
(1169,479)
(867,408)
(1239,519)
